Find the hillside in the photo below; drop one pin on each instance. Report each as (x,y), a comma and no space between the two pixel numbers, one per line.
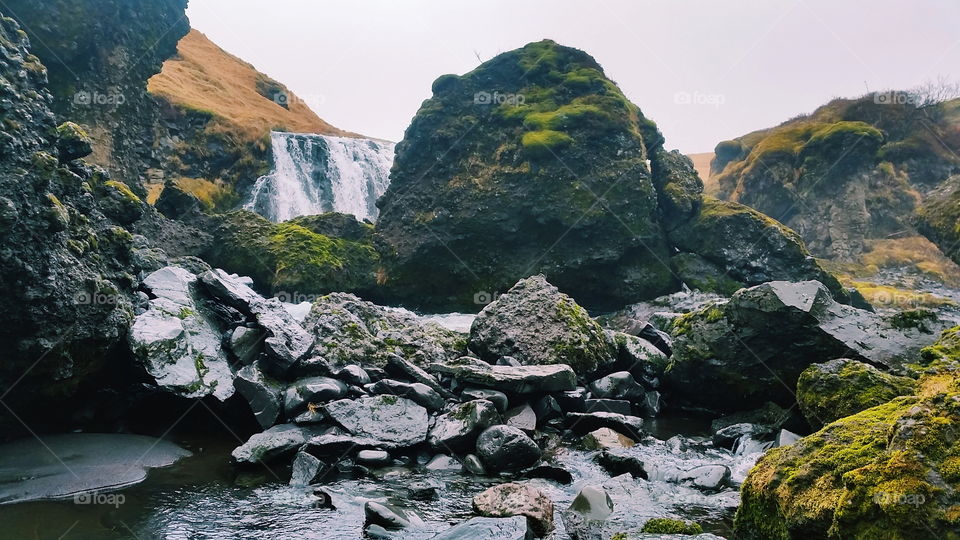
(204,77)
(701,162)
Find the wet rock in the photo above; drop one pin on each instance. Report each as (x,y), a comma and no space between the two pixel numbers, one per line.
(485,528)
(619,385)
(617,406)
(606,439)
(520,380)
(246,344)
(521,417)
(314,390)
(458,429)
(388,517)
(548,472)
(262,393)
(651,403)
(310,416)
(785,438)
(583,519)
(355,331)
(394,421)
(353,375)
(637,356)
(707,477)
(728,436)
(271,444)
(769,414)
(617,464)
(573,400)
(631,426)
(422,491)
(473,465)
(177,340)
(307,469)
(515,499)
(373,458)
(547,408)
(843,387)
(731,357)
(419,393)
(496,397)
(504,448)
(538,325)
(400,367)
(443,463)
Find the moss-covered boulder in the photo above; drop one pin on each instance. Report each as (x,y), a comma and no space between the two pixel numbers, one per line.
(851,171)
(843,387)
(939,217)
(72,142)
(538,325)
(747,247)
(737,355)
(292,257)
(119,202)
(533,162)
(671,526)
(891,471)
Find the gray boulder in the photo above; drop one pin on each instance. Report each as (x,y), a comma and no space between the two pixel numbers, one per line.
(458,429)
(515,499)
(394,421)
(505,448)
(495,396)
(522,417)
(619,385)
(177,340)
(271,444)
(538,325)
(584,519)
(307,469)
(263,394)
(246,344)
(315,390)
(520,380)
(419,393)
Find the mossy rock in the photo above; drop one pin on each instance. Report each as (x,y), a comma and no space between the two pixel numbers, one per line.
(72,142)
(891,471)
(291,258)
(843,387)
(119,202)
(671,526)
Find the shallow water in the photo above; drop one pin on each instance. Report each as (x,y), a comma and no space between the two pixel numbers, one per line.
(203,497)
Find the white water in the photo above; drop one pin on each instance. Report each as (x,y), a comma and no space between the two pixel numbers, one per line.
(313,174)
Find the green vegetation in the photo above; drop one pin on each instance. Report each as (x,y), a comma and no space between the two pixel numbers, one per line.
(840,388)
(545,141)
(671,526)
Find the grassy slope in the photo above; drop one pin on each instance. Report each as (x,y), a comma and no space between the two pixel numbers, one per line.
(701,162)
(204,77)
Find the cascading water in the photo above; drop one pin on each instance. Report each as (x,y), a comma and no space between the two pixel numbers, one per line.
(313,174)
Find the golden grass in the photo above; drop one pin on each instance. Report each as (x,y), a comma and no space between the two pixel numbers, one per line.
(914,252)
(885,296)
(207,191)
(204,77)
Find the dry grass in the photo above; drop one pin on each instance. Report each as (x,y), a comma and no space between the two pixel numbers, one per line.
(914,252)
(204,77)
(701,162)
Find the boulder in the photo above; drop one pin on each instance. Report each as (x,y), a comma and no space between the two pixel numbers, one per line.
(419,393)
(843,387)
(583,519)
(458,429)
(246,344)
(538,325)
(606,439)
(728,436)
(494,396)
(514,499)
(505,448)
(177,340)
(353,375)
(443,463)
(586,422)
(619,385)
(398,366)
(373,458)
(278,441)
(617,464)
(485,528)
(707,477)
(519,380)
(263,394)
(547,408)
(394,421)
(307,469)
(354,331)
(890,471)
(386,516)
(730,356)
(315,390)
(522,417)
(473,465)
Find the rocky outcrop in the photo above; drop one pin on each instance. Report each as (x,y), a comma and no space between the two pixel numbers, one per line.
(889,471)
(538,325)
(731,356)
(938,216)
(852,170)
(844,387)
(535,162)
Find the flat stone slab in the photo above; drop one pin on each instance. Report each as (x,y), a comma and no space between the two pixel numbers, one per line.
(518,379)
(63,466)
(394,420)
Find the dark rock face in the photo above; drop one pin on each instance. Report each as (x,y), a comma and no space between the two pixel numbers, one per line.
(481,189)
(100,54)
(505,448)
(937,218)
(731,356)
(846,173)
(66,276)
(536,324)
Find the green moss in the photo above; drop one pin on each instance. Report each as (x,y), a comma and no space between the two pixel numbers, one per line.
(827,392)
(123,190)
(184,313)
(545,141)
(671,526)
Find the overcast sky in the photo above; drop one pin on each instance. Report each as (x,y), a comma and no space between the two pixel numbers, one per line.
(704,70)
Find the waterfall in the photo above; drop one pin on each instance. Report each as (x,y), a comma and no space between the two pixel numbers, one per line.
(313,174)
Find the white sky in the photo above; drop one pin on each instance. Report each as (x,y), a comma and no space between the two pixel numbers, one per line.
(366,65)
